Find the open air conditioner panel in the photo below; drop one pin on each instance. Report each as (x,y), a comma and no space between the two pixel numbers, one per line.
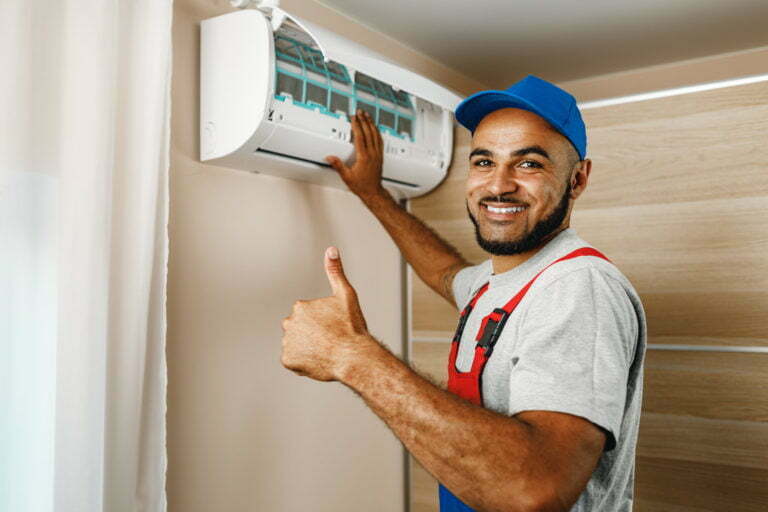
(310,99)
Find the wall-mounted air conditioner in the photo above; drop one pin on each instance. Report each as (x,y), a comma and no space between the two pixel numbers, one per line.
(276,93)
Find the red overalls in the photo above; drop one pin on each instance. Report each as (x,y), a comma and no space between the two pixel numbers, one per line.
(468,385)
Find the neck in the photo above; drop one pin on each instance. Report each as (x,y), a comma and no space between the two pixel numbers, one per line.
(503,263)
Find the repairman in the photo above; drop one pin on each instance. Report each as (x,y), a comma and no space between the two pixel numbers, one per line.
(545,373)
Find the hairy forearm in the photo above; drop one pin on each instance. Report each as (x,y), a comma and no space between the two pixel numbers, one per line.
(488,460)
(433,259)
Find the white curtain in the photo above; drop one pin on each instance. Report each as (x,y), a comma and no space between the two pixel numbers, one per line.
(84,143)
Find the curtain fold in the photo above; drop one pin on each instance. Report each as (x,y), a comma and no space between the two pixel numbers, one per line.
(83,254)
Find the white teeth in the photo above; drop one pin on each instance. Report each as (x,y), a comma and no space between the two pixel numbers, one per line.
(513,209)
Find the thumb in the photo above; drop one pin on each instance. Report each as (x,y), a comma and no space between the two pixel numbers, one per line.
(335,272)
(336,163)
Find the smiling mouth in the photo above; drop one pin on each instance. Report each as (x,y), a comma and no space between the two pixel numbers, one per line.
(499,210)
(511,209)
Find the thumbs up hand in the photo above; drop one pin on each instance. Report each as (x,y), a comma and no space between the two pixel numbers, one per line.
(322,336)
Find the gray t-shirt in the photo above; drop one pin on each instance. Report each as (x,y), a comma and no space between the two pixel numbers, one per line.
(574,344)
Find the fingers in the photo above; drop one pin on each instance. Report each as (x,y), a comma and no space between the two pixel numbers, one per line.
(335,273)
(370,132)
(337,164)
(378,142)
(369,153)
(359,137)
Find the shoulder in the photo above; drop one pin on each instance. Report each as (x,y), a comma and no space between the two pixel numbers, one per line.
(588,279)
(582,269)
(586,296)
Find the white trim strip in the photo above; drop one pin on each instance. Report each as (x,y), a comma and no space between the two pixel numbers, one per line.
(650,346)
(708,348)
(673,92)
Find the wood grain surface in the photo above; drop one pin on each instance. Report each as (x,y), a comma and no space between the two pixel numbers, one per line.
(678,199)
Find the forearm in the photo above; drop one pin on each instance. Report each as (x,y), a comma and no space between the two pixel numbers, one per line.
(488,460)
(433,259)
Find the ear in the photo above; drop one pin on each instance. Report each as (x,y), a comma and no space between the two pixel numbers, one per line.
(580,177)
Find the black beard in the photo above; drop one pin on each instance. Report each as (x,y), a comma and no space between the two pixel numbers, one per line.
(529,241)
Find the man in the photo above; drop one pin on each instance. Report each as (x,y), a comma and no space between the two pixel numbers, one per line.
(545,373)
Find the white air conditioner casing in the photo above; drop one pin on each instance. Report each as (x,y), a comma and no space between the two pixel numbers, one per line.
(263,108)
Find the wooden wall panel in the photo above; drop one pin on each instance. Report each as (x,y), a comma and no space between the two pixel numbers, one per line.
(431,360)
(678,198)
(692,439)
(665,485)
(423,489)
(715,385)
(704,411)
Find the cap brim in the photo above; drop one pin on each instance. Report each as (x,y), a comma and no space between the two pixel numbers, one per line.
(473,109)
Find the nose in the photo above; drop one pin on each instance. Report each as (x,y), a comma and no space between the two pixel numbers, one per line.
(502,181)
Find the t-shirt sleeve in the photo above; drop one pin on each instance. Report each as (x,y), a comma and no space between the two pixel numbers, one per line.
(573,350)
(463,282)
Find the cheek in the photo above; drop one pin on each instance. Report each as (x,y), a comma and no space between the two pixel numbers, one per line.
(473,182)
(550,198)
(543,190)
(473,191)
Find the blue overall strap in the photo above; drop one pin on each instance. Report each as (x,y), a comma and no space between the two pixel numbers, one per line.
(450,503)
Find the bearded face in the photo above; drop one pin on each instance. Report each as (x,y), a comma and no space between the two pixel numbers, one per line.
(518,242)
(519,189)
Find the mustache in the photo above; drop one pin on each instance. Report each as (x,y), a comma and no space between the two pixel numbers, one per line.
(502,199)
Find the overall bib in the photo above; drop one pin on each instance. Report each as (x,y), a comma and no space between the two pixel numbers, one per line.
(468,385)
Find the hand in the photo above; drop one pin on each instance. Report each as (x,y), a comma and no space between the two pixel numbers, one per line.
(322,336)
(364,176)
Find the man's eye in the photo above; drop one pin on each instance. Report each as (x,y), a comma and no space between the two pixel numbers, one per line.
(482,163)
(530,164)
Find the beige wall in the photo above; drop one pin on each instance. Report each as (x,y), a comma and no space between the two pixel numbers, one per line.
(245,434)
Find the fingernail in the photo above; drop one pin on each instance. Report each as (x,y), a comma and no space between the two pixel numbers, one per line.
(333,253)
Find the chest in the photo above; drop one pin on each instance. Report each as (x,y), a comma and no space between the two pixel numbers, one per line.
(486,304)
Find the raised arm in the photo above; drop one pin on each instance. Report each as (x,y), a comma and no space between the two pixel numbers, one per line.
(435,261)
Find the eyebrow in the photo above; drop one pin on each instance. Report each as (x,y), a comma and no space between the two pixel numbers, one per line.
(519,152)
(480,151)
(532,149)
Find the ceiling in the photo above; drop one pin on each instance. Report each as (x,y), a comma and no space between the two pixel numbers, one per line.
(497,42)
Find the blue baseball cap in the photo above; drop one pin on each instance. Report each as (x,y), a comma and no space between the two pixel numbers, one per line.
(531,93)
